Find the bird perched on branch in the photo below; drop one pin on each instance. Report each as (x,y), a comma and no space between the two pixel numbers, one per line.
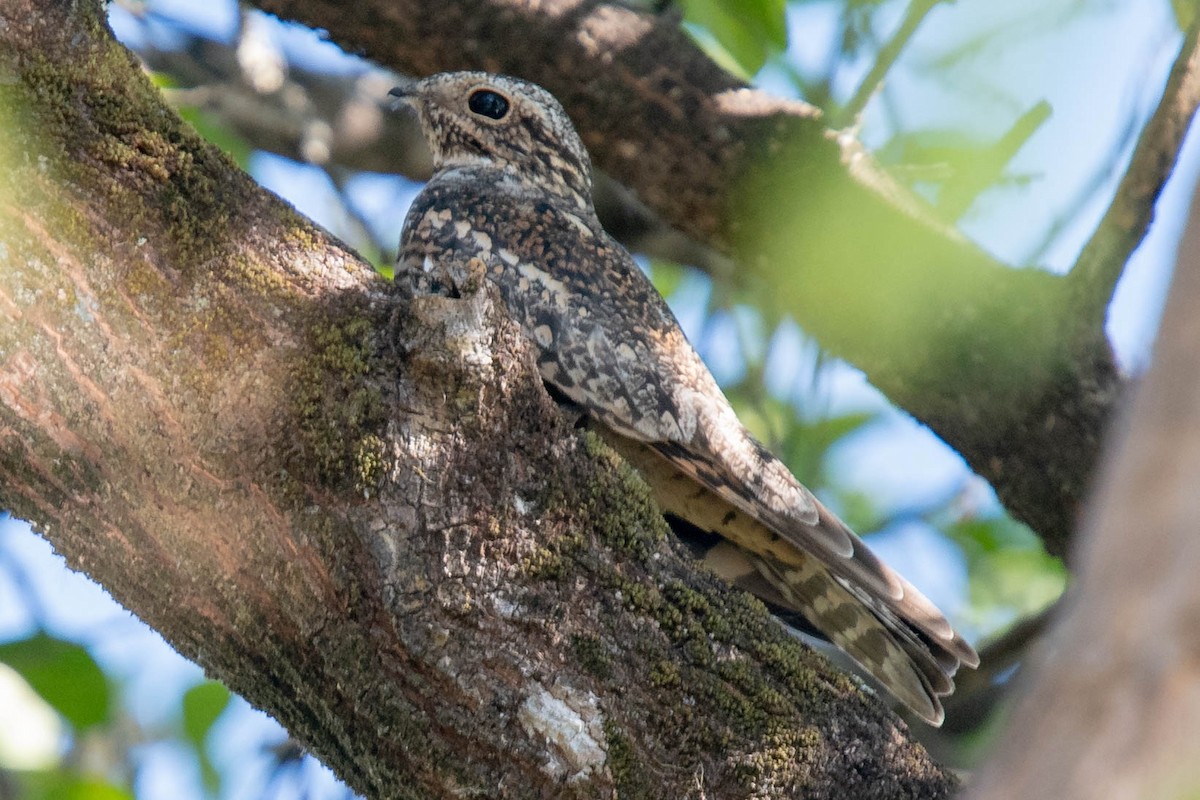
(511,198)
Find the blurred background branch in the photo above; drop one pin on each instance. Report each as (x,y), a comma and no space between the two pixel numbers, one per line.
(1104,258)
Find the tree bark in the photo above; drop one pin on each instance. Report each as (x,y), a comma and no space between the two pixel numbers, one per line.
(364,515)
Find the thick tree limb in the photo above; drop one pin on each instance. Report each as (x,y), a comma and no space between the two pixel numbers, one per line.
(366,516)
(1114,698)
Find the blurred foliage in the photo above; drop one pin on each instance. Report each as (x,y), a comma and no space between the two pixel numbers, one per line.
(942,308)
(64,785)
(1185,13)
(666,276)
(952,168)
(203,705)
(215,131)
(65,675)
(98,760)
(1012,577)
(740,35)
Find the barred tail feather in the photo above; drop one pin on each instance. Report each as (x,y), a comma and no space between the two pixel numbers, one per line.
(885,624)
(889,652)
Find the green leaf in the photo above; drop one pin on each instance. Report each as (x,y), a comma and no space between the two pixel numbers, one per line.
(1016,583)
(737,33)
(719,52)
(209,125)
(162,80)
(93,789)
(858,510)
(209,775)
(202,705)
(982,536)
(961,164)
(822,434)
(67,785)
(65,675)
(1011,575)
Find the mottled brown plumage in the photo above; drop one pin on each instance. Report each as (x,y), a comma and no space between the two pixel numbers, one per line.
(512,191)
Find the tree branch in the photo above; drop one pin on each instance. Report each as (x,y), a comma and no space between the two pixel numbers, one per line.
(888,54)
(1102,261)
(364,515)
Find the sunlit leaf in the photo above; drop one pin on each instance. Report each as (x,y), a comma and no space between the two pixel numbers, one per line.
(744,32)
(32,734)
(719,52)
(64,675)
(162,80)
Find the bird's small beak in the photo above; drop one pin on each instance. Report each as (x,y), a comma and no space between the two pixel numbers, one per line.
(404,93)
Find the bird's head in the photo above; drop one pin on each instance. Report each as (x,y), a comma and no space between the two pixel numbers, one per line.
(480,119)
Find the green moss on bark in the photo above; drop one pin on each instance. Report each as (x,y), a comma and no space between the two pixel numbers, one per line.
(339,411)
(734,694)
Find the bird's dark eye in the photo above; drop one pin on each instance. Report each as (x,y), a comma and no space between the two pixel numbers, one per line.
(488,103)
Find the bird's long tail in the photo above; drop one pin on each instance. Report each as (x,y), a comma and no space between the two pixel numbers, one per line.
(901,641)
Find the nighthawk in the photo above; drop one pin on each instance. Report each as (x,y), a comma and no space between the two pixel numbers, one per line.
(511,194)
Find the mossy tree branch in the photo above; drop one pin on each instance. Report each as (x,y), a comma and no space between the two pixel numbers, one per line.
(364,515)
